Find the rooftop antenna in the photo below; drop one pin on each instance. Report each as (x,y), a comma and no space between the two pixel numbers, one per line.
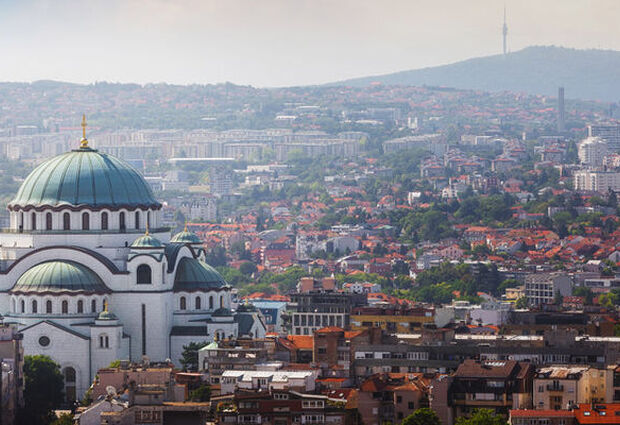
(505,30)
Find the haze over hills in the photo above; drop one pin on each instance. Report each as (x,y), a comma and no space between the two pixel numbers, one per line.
(585,74)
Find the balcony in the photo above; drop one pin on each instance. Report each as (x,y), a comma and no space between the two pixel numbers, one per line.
(558,388)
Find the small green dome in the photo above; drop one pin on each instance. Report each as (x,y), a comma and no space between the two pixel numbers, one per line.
(185,237)
(84,177)
(193,274)
(58,277)
(106,315)
(222,312)
(147,241)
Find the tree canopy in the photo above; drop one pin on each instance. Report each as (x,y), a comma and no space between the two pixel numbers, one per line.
(43,392)
(482,417)
(423,416)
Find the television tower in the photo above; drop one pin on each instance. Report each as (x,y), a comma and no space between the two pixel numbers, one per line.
(505,30)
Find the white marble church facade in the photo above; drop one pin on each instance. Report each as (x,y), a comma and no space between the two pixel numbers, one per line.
(89,276)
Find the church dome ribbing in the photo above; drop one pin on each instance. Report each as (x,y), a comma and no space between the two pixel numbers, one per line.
(84,177)
(60,276)
(193,274)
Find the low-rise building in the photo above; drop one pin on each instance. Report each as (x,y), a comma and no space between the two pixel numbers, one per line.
(496,385)
(560,387)
(233,380)
(392,319)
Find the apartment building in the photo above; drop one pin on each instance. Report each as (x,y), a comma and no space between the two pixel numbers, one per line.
(561,387)
(540,288)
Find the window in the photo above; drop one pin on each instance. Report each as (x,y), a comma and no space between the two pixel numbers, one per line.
(121,221)
(21,222)
(143,275)
(399,399)
(23,306)
(65,307)
(85,221)
(410,405)
(70,380)
(44,341)
(148,218)
(34,221)
(48,307)
(137,219)
(80,306)
(197,305)
(221,301)
(211,302)
(66,221)
(48,221)
(93,306)
(104,221)
(104,341)
(183,305)
(34,306)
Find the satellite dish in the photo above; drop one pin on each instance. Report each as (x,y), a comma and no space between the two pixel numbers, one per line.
(110,390)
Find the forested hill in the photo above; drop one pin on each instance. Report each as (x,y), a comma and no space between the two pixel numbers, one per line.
(585,74)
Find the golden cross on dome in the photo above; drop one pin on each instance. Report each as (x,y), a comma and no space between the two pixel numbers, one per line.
(84,141)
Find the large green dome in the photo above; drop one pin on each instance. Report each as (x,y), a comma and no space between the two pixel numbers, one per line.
(60,276)
(84,177)
(193,274)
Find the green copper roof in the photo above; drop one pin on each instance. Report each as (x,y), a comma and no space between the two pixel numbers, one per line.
(193,274)
(185,237)
(106,315)
(147,241)
(59,276)
(84,177)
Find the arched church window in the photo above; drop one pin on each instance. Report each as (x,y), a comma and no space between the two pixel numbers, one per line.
(66,221)
(211,302)
(70,381)
(143,275)
(23,306)
(33,218)
(65,307)
(93,306)
(198,303)
(183,303)
(48,221)
(69,374)
(121,220)
(221,301)
(34,306)
(137,219)
(80,306)
(148,218)
(104,341)
(21,222)
(48,307)
(14,306)
(85,221)
(104,221)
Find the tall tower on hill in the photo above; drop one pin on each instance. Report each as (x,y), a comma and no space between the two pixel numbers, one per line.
(505,31)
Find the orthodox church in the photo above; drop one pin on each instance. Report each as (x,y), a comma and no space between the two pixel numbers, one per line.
(89,275)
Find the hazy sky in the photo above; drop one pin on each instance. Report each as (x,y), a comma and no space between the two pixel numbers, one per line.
(278,42)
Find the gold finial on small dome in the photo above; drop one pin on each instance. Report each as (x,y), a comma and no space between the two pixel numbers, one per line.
(105,306)
(147,229)
(185,228)
(84,141)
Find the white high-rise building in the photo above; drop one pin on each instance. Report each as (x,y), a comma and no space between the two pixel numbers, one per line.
(592,150)
(597,181)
